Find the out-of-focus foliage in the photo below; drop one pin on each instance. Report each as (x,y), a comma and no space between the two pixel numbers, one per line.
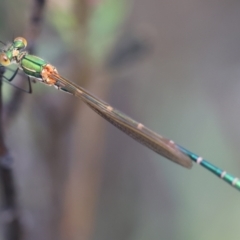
(105,18)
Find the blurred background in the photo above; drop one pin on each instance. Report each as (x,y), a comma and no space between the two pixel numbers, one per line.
(172,65)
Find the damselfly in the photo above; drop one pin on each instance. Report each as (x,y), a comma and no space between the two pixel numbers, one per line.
(41,70)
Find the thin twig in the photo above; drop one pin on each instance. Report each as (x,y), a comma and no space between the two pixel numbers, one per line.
(10,214)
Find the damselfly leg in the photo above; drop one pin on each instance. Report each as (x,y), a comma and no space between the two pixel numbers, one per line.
(8,79)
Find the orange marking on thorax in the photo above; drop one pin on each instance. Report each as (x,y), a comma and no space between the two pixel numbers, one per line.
(46,73)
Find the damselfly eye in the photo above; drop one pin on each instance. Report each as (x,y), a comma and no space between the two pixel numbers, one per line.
(4,60)
(20,43)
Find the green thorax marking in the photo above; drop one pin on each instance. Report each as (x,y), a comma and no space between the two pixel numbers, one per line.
(32,65)
(9,52)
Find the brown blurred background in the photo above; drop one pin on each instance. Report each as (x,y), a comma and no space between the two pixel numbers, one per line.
(173,65)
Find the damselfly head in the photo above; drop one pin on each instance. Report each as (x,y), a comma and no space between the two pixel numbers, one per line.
(19,43)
